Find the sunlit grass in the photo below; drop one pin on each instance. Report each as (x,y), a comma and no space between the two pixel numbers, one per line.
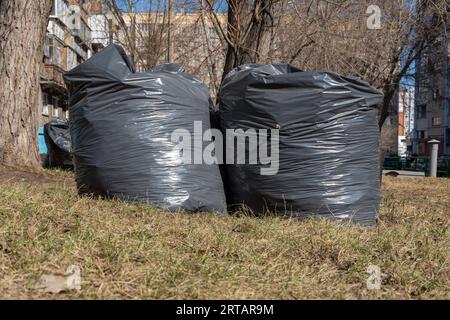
(135,251)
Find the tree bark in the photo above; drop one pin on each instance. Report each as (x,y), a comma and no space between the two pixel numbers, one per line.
(22,31)
(249,30)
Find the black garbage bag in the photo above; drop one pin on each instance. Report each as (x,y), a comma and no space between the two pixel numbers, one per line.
(328,142)
(57,139)
(121,127)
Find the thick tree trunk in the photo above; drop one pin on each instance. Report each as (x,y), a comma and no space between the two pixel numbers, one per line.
(22,31)
(249,29)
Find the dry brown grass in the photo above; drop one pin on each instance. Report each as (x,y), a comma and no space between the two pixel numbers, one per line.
(134,251)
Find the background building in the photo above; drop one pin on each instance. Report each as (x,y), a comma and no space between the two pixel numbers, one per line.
(75,30)
(65,47)
(406,120)
(432,117)
(103,24)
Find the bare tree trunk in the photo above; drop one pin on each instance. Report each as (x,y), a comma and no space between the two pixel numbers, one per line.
(22,32)
(249,31)
(133,45)
(212,63)
(169,32)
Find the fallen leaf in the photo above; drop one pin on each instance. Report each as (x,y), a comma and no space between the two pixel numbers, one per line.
(53,283)
(31,232)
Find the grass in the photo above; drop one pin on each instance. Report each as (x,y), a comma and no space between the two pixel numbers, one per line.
(130,251)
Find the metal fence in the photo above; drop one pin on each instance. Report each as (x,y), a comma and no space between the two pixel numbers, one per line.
(419,164)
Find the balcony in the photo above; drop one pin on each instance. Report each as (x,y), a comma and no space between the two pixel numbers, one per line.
(83,33)
(52,77)
(59,10)
(101,30)
(55,29)
(80,51)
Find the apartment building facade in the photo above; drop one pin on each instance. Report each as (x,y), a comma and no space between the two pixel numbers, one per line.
(103,24)
(76,29)
(67,44)
(432,114)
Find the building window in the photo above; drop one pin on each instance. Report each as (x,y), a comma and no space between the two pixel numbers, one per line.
(54,8)
(421,134)
(54,52)
(47,47)
(71,59)
(55,107)
(436,94)
(436,121)
(59,8)
(67,114)
(422,111)
(44,104)
(58,53)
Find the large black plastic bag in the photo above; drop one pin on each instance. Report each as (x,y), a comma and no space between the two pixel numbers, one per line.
(121,125)
(57,139)
(328,150)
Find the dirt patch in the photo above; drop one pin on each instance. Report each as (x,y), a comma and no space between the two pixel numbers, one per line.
(10,174)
